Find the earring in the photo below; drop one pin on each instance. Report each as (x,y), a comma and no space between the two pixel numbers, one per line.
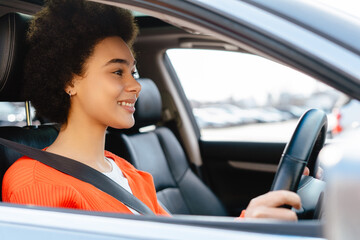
(69,93)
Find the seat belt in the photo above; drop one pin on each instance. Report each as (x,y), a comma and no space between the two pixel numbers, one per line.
(82,172)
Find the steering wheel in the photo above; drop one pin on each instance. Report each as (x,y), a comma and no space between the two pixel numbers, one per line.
(303,149)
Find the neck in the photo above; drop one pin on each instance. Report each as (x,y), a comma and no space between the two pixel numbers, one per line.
(82,141)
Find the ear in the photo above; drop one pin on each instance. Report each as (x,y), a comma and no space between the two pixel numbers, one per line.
(70,88)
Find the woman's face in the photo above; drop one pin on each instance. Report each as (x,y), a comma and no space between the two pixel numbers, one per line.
(105,95)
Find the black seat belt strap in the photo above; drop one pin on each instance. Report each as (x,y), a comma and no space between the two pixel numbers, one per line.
(81,172)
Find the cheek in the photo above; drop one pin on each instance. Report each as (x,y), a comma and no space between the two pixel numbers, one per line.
(114,88)
(105,89)
(101,90)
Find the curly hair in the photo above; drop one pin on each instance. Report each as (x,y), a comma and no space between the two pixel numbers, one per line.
(61,37)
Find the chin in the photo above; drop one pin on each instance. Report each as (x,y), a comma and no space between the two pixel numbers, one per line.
(123,125)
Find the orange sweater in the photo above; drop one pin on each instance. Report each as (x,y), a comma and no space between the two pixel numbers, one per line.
(28,181)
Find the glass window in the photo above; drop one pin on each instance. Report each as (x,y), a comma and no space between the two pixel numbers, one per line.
(13,114)
(241,96)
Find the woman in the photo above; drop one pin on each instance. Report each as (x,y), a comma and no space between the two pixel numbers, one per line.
(80,74)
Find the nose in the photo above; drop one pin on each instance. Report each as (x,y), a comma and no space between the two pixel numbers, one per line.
(133,86)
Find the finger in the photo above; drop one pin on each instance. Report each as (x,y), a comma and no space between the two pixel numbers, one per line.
(283,197)
(277,199)
(275,213)
(306,171)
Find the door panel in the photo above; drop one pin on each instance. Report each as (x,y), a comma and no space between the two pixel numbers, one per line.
(239,171)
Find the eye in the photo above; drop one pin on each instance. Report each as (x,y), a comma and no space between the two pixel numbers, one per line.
(119,72)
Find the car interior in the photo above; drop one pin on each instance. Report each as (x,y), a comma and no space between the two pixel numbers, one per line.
(187,163)
(158,152)
(192,176)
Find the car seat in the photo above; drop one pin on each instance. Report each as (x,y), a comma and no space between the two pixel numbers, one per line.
(160,153)
(13,28)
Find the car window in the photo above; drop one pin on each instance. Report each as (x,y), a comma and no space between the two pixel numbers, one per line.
(13,114)
(241,96)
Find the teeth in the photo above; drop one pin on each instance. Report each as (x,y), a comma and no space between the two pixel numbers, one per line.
(126,104)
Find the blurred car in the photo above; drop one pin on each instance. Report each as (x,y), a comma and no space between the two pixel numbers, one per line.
(304,35)
(227,115)
(215,117)
(269,114)
(224,115)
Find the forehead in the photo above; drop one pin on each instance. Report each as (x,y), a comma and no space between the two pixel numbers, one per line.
(111,48)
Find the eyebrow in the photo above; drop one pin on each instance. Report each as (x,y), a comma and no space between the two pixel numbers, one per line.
(119,60)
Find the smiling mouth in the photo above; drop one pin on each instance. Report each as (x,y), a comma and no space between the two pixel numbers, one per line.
(127,104)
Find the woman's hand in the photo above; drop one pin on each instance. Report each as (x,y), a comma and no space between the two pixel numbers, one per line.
(267,206)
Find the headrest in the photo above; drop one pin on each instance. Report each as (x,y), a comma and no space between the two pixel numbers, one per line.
(13,28)
(148,106)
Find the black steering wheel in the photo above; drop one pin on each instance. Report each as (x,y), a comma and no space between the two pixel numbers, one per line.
(302,150)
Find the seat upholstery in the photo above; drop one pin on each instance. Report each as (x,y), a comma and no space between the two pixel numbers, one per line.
(13,28)
(160,153)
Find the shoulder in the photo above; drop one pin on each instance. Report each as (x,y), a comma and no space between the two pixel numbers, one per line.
(28,181)
(26,172)
(20,173)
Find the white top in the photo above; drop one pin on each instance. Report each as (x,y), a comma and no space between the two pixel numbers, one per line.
(117,176)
